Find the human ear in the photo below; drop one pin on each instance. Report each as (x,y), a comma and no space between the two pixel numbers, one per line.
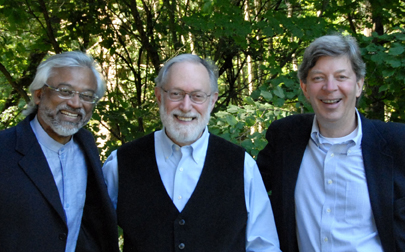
(359,86)
(37,96)
(304,89)
(158,95)
(214,100)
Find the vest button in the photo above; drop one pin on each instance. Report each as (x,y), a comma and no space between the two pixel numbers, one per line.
(182,222)
(62,237)
(182,246)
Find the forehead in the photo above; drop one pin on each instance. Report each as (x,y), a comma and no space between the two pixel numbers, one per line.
(333,64)
(80,78)
(188,76)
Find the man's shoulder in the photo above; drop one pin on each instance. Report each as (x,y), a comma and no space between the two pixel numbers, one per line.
(293,121)
(223,144)
(11,133)
(138,143)
(391,131)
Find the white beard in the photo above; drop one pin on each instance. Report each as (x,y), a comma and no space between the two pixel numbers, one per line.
(183,134)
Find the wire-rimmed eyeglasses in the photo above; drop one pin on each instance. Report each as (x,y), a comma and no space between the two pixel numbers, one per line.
(67,92)
(178,95)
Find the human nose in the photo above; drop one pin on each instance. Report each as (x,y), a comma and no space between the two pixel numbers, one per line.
(186,103)
(75,101)
(330,85)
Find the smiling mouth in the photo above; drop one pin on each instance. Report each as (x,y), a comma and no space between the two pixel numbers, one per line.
(63,112)
(185,119)
(331,101)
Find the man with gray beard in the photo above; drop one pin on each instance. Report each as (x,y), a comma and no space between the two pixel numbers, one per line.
(52,192)
(182,188)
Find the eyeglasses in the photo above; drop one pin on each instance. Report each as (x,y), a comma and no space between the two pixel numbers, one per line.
(67,92)
(178,95)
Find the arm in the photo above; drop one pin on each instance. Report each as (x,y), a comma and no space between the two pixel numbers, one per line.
(264,159)
(261,233)
(110,172)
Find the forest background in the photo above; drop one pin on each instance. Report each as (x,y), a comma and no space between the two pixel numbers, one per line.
(256,44)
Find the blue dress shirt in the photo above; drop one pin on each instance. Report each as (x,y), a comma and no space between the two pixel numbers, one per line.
(68,167)
(180,169)
(333,209)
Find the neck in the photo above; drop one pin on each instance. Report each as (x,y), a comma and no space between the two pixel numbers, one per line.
(338,129)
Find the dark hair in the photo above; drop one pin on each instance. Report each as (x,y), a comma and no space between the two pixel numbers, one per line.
(334,46)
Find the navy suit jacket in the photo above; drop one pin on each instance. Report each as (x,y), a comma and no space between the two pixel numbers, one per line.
(383,148)
(31,213)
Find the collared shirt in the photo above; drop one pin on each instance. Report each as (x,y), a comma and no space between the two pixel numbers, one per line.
(333,209)
(180,169)
(68,167)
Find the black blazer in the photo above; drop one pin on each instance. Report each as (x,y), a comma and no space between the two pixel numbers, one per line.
(31,213)
(383,148)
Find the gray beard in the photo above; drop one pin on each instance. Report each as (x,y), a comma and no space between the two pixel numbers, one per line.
(181,133)
(62,128)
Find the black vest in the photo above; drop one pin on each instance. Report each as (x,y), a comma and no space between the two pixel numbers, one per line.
(214,218)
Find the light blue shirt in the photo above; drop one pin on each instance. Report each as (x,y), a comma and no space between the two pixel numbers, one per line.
(68,167)
(333,209)
(180,169)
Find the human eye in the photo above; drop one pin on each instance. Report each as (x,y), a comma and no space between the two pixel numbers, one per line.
(176,94)
(341,77)
(87,96)
(317,78)
(65,91)
(198,96)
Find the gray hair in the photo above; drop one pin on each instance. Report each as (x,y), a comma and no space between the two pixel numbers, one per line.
(334,46)
(161,79)
(66,59)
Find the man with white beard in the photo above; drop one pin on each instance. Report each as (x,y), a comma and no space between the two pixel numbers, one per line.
(182,188)
(52,192)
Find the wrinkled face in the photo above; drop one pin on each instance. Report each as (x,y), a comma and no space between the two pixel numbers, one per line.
(332,90)
(61,118)
(185,120)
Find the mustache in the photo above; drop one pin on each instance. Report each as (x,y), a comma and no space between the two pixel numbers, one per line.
(189,114)
(79,111)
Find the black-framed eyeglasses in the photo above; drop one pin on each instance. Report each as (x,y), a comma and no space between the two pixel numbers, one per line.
(67,92)
(178,95)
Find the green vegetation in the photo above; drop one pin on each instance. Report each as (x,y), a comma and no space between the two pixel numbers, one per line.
(257,45)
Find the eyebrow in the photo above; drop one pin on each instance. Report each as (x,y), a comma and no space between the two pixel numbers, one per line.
(320,72)
(67,84)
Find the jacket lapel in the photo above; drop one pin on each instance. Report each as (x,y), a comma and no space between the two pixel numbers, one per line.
(378,165)
(295,144)
(294,149)
(35,166)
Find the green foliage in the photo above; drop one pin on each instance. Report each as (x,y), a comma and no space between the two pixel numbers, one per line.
(257,46)
(246,125)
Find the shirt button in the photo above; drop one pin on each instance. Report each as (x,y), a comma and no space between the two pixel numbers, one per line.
(179,197)
(325,239)
(330,181)
(181,169)
(182,222)
(328,210)
(182,246)
(332,155)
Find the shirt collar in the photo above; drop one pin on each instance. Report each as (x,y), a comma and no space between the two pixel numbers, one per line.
(198,148)
(44,139)
(316,135)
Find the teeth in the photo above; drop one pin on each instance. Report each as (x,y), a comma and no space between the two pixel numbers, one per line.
(186,119)
(68,114)
(331,101)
